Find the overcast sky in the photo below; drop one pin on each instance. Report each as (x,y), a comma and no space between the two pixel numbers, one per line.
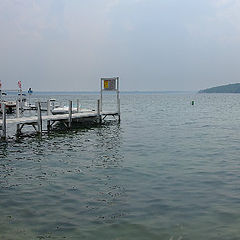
(68,45)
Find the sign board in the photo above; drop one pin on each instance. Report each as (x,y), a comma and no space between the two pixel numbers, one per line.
(109,84)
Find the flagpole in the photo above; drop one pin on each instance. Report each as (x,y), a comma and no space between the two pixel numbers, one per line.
(20,89)
(0,90)
(0,95)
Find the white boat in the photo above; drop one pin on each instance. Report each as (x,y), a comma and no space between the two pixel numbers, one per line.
(65,110)
(44,105)
(10,106)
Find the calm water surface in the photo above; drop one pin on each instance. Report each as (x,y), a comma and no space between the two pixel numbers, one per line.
(169,170)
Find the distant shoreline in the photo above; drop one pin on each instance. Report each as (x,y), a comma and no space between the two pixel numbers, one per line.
(97,92)
(229,88)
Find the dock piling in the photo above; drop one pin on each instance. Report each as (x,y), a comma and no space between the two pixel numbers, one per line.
(98,111)
(119,118)
(39,119)
(118,100)
(70,114)
(4,120)
(17,109)
(48,107)
(17,116)
(48,113)
(78,105)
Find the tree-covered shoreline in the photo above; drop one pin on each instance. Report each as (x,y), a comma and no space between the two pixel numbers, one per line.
(230,88)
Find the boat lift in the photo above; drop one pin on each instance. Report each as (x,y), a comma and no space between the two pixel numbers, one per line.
(11,105)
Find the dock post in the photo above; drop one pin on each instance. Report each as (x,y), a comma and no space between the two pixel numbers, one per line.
(4,122)
(17,116)
(78,105)
(21,101)
(17,109)
(118,100)
(98,111)
(48,113)
(70,114)
(118,106)
(39,120)
(48,107)
(101,95)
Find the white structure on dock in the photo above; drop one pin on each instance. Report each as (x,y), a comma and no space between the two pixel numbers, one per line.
(110,84)
(11,105)
(67,119)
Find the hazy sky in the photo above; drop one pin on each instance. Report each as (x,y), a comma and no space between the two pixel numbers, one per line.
(151,44)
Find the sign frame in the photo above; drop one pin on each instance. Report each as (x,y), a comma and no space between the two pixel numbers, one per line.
(109,84)
(114,87)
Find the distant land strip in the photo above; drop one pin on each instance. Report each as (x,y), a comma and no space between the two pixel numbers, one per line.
(97,92)
(230,88)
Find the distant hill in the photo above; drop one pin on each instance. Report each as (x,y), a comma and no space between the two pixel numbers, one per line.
(230,88)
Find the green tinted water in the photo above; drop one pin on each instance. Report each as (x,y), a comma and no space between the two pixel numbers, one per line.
(170,170)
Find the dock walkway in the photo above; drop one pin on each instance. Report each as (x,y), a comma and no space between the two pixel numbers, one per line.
(67,119)
(58,117)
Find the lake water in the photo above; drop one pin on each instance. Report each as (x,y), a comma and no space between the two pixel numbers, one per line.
(169,170)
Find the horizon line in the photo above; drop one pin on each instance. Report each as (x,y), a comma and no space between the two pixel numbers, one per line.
(123,91)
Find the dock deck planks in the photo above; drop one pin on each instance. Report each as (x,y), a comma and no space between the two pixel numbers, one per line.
(58,117)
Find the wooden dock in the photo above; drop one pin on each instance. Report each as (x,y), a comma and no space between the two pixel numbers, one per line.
(37,121)
(107,84)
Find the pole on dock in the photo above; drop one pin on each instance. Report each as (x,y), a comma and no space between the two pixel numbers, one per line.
(17,116)
(17,109)
(48,113)
(119,118)
(118,100)
(98,111)
(48,107)
(39,120)
(78,105)
(0,95)
(101,95)
(70,114)
(4,122)
(21,99)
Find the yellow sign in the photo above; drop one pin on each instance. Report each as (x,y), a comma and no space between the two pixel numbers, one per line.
(110,84)
(105,84)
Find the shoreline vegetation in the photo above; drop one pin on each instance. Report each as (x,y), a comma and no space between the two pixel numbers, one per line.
(229,88)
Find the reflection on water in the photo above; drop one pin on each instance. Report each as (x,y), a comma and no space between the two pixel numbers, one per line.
(108,143)
(3,149)
(108,161)
(60,183)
